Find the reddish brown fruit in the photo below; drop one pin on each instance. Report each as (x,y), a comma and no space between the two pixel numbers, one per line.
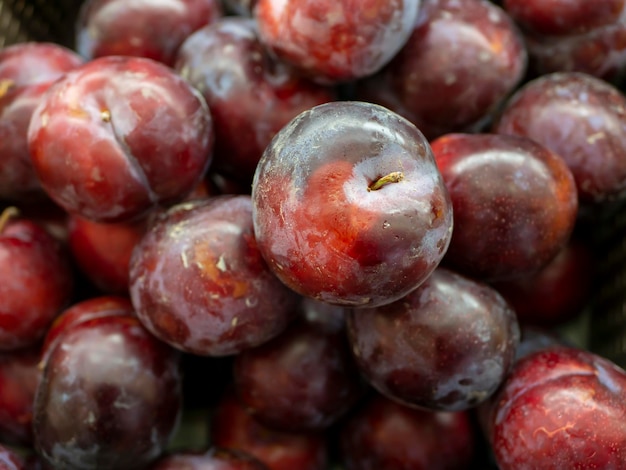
(36,281)
(198,281)
(515,204)
(561,408)
(141,28)
(118,136)
(232,427)
(335,41)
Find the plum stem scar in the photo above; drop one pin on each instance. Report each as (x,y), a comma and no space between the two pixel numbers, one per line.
(393,177)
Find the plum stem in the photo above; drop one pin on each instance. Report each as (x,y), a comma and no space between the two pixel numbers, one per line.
(393,177)
(5,86)
(6,215)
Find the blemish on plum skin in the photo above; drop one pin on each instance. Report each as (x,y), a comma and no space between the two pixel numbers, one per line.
(552,433)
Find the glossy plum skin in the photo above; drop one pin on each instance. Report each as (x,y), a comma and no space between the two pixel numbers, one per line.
(445,346)
(467,54)
(36,282)
(110,393)
(232,427)
(582,119)
(305,379)
(384,435)
(563,17)
(83,311)
(34,63)
(26,72)
(213,459)
(560,408)
(199,283)
(515,204)
(119,135)
(600,52)
(103,250)
(18,180)
(325,227)
(251,95)
(557,293)
(141,28)
(573,35)
(19,376)
(336,41)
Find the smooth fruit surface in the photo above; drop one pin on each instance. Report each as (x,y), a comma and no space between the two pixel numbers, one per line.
(445,346)
(198,281)
(349,207)
(515,204)
(118,136)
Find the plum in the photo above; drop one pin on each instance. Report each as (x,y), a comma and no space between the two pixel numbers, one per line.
(251,94)
(232,427)
(36,281)
(199,283)
(118,136)
(515,204)
(561,407)
(446,346)
(349,206)
(462,60)
(580,118)
(110,393)
(141,28)
(336,40)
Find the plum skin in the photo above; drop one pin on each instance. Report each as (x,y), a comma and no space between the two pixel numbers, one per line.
(118,136)
(37,282)
(467,54)
(199,283)
(580,118)
(154,30)
(384,435)
(109,394)
(232,427)
(322,228)
(302,380)
(335,41)
(515,204)
(26,71)
(560,405)
(251,94)
(446,346)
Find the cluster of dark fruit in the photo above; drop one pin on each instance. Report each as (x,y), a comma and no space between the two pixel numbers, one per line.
(341,233)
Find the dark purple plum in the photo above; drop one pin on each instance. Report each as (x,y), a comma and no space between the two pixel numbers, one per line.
(464,57)
(141,28)
(580,118)
(446,346)
(232,427)
(384,435)
(515,204)
(305,379)
(199,282)
(251,95)
(110,394)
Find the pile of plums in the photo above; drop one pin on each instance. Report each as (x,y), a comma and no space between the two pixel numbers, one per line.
(304,235)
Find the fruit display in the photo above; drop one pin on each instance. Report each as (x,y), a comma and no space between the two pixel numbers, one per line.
(312,235)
